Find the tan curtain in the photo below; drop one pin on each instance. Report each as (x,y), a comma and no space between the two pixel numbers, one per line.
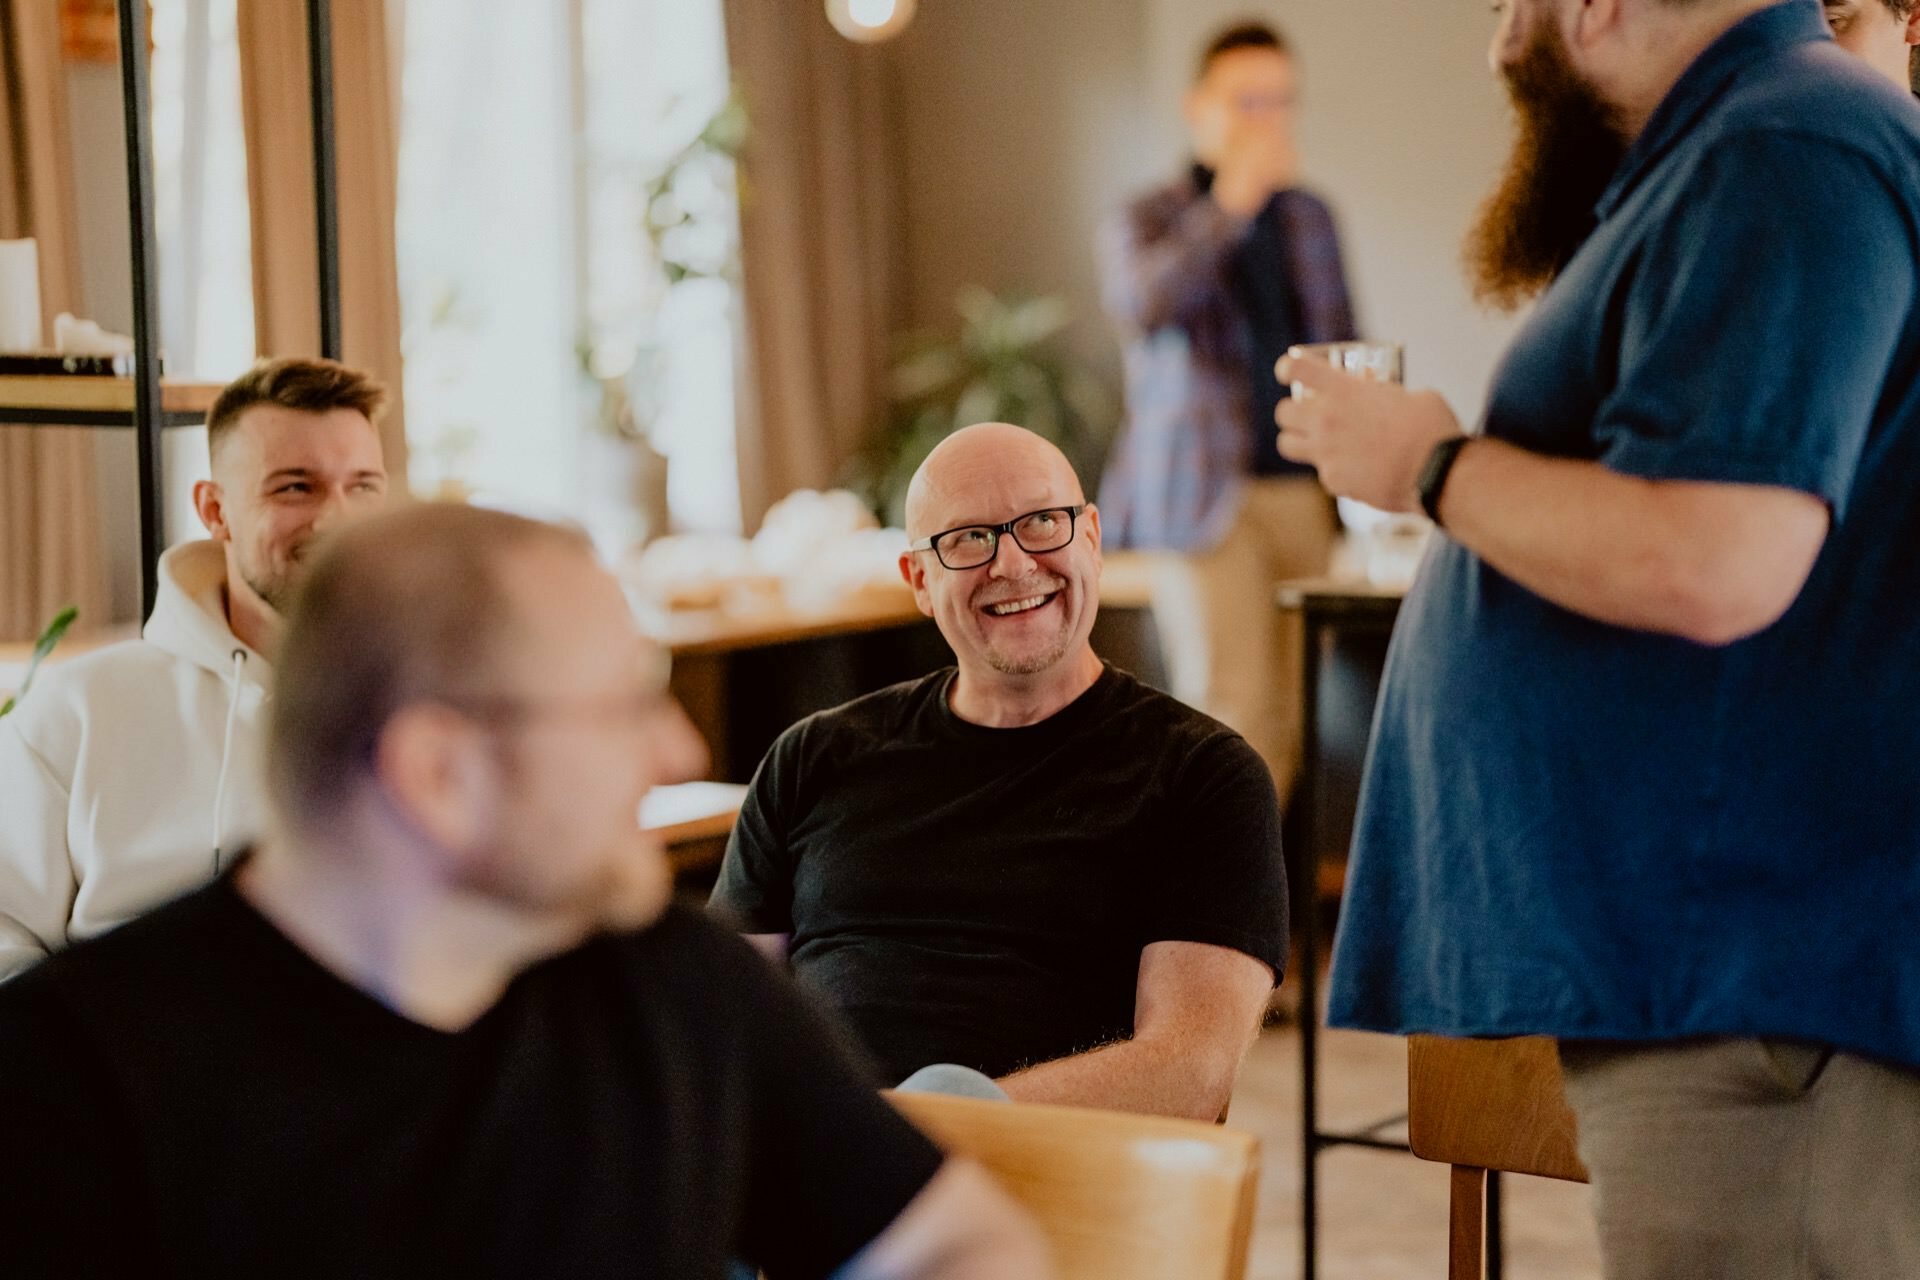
(51,552)
(275,107)
(819,246)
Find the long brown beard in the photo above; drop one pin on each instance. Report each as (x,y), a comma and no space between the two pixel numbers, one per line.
(1565,152)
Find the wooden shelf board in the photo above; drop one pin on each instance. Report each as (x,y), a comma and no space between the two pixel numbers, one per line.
(100,395)
(1126,584)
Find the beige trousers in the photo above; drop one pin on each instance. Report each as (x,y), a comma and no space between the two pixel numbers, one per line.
(1228,649)
(1748,1160)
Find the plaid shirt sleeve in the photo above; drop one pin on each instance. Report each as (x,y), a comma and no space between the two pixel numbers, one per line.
(1319,275)
(1161,271)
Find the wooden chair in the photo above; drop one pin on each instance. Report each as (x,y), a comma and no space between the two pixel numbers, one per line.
(1482,1105)
(1120,1197)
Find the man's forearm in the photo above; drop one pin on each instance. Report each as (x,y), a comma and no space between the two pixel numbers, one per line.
(1633,553)
(1153,1077)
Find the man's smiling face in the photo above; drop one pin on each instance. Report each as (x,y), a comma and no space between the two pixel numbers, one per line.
(1021,613)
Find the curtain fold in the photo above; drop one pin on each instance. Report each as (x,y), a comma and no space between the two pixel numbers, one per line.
(820,247)
(275,107)
(51,549)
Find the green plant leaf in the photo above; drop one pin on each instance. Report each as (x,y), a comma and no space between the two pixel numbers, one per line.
(41,648)
(1003,363)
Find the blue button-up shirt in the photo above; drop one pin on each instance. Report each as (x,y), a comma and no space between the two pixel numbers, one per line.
(1577,829)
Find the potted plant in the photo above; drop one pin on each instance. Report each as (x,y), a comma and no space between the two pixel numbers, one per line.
(1004,365)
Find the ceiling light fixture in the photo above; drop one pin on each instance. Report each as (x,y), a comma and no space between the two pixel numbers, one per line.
(869,21)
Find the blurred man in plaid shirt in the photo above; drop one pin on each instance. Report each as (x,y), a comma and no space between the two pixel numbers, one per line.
(1211,278)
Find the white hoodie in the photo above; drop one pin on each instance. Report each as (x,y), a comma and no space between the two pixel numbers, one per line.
(132,774)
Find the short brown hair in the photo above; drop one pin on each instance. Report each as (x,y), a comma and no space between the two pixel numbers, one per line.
(407,606)
(1241,35)
(294,382)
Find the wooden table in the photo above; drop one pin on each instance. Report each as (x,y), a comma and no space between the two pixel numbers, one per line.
(1125,583)
(694,819)
(744,677)
(72,401)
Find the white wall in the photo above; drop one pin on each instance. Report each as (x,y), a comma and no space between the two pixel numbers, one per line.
(1022,123)
(1019,127)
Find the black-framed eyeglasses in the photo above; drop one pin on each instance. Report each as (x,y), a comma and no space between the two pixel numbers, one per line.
(972,545)
(649,695)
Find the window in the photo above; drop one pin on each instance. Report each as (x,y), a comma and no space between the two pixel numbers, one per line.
(529,137)
(201,227)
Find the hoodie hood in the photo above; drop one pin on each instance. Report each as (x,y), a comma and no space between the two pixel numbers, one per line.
(189,618)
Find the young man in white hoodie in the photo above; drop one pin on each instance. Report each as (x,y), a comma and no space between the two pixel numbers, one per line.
(130,775)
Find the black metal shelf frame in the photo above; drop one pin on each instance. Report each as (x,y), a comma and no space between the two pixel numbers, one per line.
(1326,618)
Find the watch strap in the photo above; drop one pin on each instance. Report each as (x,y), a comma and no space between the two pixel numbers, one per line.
(1433,476)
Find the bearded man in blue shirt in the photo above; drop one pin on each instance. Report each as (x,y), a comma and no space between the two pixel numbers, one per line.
(1646,775)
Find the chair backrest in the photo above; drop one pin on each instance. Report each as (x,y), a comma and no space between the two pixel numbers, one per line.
(1491,1104)
(1120,1197)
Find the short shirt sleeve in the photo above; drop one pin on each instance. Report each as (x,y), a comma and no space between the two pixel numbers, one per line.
(754,890)
(1759,329)
(1223,880)
(832,1163)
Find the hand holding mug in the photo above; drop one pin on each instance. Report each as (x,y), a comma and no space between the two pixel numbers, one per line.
(1367,437)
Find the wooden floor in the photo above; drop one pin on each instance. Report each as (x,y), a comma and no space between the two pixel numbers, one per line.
(1383,1215)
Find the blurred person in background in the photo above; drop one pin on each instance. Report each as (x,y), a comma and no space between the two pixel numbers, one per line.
(1210,278)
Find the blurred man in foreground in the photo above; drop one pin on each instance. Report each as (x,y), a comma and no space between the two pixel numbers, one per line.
(444,1020)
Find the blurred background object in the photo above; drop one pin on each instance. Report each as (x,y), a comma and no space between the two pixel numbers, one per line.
(870,21)
(1003,365)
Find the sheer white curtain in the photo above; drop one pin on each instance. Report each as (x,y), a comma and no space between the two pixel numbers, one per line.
(528,134)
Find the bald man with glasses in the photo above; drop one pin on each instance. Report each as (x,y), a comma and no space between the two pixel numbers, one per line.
(1028,871)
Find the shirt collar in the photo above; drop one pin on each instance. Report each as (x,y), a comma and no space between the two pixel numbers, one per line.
(1755,36)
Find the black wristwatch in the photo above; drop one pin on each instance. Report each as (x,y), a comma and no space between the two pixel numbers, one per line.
(1433,476)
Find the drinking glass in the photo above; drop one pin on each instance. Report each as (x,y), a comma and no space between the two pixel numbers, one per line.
(1387,544)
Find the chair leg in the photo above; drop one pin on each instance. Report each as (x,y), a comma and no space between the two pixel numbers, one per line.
(1467,1224)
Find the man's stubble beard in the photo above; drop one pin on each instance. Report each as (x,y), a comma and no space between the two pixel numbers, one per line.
(1565,153)
(1028,666)
(278,590)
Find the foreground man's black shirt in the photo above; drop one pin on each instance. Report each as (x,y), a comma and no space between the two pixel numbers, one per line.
(192,1095)
(981,896)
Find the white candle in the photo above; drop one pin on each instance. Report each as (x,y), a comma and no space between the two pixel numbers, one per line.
(19,296)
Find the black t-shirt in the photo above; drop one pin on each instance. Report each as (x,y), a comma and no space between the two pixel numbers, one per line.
(192,1095)
(981,896)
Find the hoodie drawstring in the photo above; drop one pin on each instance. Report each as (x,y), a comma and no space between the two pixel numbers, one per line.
(226,756)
